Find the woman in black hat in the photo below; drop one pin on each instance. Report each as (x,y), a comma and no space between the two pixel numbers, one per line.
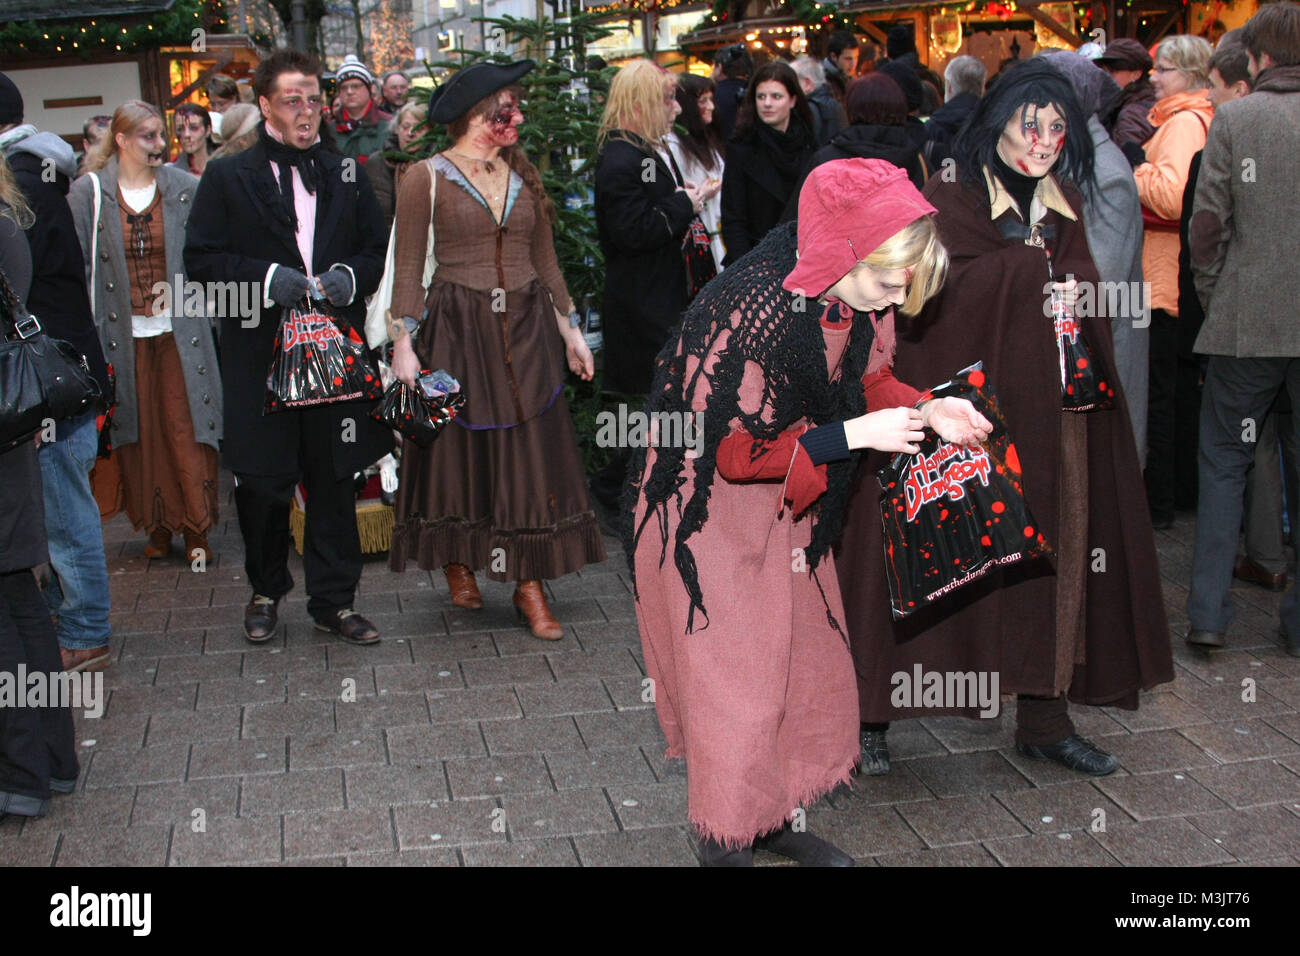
(502,489)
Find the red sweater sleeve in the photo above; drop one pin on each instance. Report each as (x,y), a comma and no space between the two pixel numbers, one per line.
(741,458)
(882,390)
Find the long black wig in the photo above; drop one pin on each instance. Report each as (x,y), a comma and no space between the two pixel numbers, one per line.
(1029,83)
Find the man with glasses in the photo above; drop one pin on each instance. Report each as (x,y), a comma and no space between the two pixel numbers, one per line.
(295,220)
(360,125)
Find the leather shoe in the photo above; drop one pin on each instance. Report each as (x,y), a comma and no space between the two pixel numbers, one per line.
(530,604)
(464,589)
(350,626)
(197,542)
(87,659)
(1247,570)
(159,544)
(803,847)
(1204,640)
(875,753)
(713,853)
(260,618)
(1075,752)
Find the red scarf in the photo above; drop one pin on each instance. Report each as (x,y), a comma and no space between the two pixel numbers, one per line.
(347,124)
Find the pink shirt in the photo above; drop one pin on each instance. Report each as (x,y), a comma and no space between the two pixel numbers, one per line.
(304,204)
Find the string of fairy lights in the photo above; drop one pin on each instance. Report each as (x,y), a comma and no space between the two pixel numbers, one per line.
(102,35)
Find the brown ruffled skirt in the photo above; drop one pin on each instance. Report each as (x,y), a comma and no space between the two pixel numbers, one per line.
(509,501)
(169,480)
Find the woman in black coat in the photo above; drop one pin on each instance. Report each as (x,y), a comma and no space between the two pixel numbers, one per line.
(642,215)
(770,148)
(38,753)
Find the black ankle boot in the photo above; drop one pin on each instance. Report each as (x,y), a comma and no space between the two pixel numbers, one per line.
(803,847)
(713,853)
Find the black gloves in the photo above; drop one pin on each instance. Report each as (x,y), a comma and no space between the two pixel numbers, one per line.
(1135,154)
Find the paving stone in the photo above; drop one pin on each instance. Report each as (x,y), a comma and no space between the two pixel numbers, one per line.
(27,849)
(584,769)
(420,745)
(175,803)
(1173,842)
(185,726)
(491,776)
(1044,773)
(1254,834)
(113,846)
(365,748)
(640,806)
(961,735)
(1236,740)
(294,717)
(117,768)
(107,807)
(661,847)
(521,669)
(1288,724)
(1066,848)
(292,792)
(572,812)
(1147,796)
(390,786)
(418,678)
(137,622)
(1065,806)
(239,758)
(445,857)
(159,645)
(132,671)
(393,710)
(1159,712)
(900,785)
(123,733)
(864,831)
(1228,666)
(196,667)
(569,697)
(960,820)
(454,647)
(449,823)
(1156,750)
(148,700)
(531,735)
(557,852)
(270,662)
(1286,690)
(970,854)
(628,693)
(1251,783)
(599,662)
(345,657)
(908,738)
(329,685)
(620,729)
(1225,703)
(967,773)
(593,636)
(519,641)
(326,832)
(476,703)
(227,841)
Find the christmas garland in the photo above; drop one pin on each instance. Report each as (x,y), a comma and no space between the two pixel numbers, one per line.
(107,34)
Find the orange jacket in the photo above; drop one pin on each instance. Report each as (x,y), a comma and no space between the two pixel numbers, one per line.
(1179,136)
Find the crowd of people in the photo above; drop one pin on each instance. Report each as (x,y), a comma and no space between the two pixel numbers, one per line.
(794,253)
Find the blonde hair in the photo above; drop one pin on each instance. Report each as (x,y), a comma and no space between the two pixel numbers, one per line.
(419,110)
(11,195)
(1190,56)
(637,102)
(126,120)
(917,247)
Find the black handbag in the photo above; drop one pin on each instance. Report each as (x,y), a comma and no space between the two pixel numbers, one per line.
(415,415)
(42,379)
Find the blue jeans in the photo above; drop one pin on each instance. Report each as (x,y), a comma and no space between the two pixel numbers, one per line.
(1237,396)
(79,595)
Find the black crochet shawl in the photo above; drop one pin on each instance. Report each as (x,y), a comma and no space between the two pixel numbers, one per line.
(782,334)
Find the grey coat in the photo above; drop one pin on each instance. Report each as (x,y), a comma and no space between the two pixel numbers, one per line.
(1112,219)
(192,334)
(1245,229)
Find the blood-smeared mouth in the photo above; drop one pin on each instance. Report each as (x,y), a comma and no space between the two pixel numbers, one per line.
(154,158)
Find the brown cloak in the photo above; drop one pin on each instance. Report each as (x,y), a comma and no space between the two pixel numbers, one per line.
(1046,626)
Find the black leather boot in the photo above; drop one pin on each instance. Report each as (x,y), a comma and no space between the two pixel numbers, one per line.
(803,847)
(713,853)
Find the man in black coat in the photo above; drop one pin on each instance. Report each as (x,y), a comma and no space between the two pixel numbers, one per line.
(295,220)
(963,84)
(44,166)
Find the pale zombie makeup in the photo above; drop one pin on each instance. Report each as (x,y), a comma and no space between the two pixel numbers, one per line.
(191,133)
(1032,140)
(294,109)
(868,289)
(146,146)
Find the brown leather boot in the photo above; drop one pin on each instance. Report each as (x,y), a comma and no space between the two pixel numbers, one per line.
(530,603)
(197,542)
(464,589)
(159,544)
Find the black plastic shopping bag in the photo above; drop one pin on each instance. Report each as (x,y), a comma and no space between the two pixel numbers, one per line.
(952,513)
(420,413)
(1086,383)
(316,363)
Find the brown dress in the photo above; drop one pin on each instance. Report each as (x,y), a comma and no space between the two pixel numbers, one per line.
(501,489)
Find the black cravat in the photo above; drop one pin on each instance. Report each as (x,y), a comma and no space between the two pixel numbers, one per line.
(285,158)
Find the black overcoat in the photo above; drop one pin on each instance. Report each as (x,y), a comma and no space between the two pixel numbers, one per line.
(754,192)
(641,219)
(235,231)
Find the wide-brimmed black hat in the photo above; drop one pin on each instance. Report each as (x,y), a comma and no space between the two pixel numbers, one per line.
(458,95)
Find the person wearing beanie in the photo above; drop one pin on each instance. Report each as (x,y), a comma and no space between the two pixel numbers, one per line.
(78,591)
(360,126)
(780,376)
(1128,63)
(1053,628)
(904,74)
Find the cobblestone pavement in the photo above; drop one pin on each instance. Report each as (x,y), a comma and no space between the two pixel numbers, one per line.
(471,743)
